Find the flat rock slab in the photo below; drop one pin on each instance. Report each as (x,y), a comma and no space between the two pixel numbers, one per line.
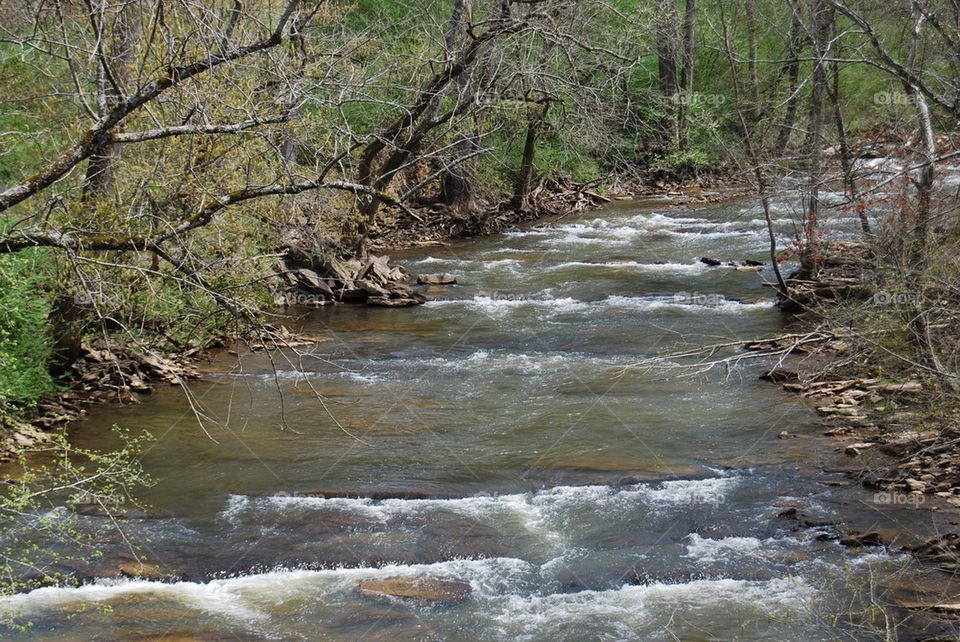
(429,590)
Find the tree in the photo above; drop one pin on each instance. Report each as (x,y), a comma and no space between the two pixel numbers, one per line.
(686,75)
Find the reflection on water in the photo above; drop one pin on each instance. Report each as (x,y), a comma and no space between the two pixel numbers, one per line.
(509,434)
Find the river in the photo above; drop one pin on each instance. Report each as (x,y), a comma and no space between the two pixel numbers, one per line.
(509,434)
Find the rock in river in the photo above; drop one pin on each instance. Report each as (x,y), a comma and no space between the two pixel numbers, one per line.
(429,590)
(384,302)
(436,279)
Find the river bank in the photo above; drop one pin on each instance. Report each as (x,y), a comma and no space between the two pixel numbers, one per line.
(892,424)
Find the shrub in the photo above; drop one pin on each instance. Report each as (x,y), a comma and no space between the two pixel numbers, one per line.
(25,341)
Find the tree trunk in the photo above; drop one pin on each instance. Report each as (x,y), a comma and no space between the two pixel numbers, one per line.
(752,58)
(667,37)
(524,185)
(457,189)
(846,165)
(821,24)
(793,74)
(925,182)
(754,157)
(112,61)
(689,38)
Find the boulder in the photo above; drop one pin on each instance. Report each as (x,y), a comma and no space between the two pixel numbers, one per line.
(711,262)
(355,267)
(854,450)
(339,271)
(428,590)
(908,441)
(372,288)
(780,375)
(351,292)
(403,291)
(312,281)
(436,279)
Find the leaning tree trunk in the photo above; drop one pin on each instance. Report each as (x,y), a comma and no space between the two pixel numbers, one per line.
(752,62)
(753,156)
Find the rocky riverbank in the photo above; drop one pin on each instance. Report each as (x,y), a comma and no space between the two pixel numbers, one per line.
(894,423)
(898,423)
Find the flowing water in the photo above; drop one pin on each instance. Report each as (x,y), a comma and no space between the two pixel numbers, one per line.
(508,434)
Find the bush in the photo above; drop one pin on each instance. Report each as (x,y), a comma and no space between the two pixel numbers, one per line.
(688,162)
(25,340)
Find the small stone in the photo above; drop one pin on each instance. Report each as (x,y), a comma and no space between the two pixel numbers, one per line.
(854,450)
(915,484)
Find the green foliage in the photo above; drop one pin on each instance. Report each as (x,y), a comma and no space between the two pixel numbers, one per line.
(25,340)
(25,138)
(686,162)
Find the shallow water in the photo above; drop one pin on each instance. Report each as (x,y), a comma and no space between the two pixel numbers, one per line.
(513,434)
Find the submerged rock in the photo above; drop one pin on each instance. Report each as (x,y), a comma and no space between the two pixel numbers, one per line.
(141,570)
(429,590)
(385,302)
(870,538)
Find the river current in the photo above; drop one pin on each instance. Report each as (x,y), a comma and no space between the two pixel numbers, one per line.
(512,434)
